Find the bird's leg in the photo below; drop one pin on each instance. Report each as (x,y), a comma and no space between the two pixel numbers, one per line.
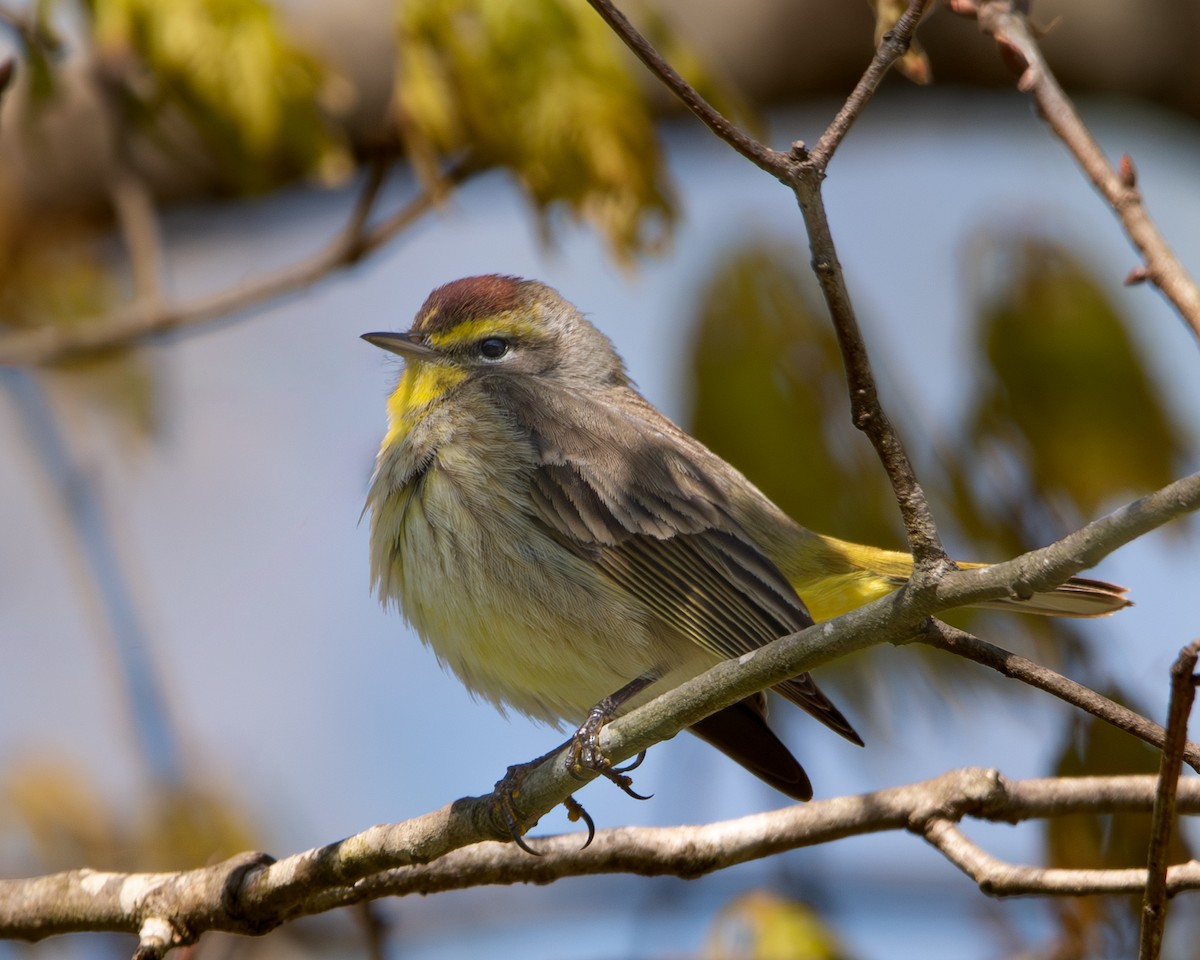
(586,754)
(508,792)
(585,744)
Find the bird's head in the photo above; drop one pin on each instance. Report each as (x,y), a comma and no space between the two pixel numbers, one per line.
(498,325)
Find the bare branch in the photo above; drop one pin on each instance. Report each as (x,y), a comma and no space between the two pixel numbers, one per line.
(803,172)
(892,46)
(141,319)
(945,637)
(866,410)
(251,895)
(1049,566)
(1154,904)
(1000,879)
(760,155)
(1006,21)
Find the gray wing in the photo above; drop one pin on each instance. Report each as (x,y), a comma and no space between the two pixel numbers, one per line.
(631,492)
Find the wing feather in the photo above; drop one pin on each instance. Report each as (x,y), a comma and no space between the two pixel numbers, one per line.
(626,489)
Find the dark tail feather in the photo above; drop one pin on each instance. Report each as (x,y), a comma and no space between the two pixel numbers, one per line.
(804,693)
(741,733)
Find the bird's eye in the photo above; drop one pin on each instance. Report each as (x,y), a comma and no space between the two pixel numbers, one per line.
(493,348)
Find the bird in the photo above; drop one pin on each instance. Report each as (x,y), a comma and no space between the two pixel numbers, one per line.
(561,544)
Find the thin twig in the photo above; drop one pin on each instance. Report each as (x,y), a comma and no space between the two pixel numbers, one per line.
(140,320)
(1154,903)
(803,172)
(929,556)
(942,636)
(354,232)
(1000,879)
(866,410)
(1008,24)
(892,46)
(760,155)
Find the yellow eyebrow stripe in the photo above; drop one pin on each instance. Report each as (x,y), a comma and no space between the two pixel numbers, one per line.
(498,325)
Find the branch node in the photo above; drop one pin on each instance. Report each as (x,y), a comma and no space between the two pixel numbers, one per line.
(1128,171)
(156,938)
(241,867)
(1135,276)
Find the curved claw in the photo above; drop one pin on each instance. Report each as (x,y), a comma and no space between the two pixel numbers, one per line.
(507,789)
(575,813)
(632,764)
(514,829)
(624,783)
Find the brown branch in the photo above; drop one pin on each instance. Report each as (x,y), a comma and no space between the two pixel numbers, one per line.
(141,319)
(892,46)
(999,879)
(252,895)
(1007,23)
(1154,903)
(803,172)
(866,409)
(760,155)
(1049,566)
(942,636)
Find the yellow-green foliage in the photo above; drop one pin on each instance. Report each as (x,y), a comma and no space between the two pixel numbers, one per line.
(764,926)
(1069,393)
(539,87)
(251,94)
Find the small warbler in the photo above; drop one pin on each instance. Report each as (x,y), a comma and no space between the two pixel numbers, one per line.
(559,542)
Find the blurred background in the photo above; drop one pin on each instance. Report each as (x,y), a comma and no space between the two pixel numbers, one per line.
(193,663)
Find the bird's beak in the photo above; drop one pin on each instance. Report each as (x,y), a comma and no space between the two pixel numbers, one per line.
(406,344)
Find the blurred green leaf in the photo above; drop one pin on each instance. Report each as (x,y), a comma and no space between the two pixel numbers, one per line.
(40,47)
(542,88)
(770,397)
(252,96)
(764,926)
(60,820)
(51,274)
(1086,841)
(1069,400)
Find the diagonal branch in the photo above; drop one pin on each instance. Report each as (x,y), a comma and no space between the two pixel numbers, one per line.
(760,155)
(143,319)
(1006,21)
(892,46)
(1049,566)
(252,894)
(962,644)
(866,409)
(1000,879)
(803,172)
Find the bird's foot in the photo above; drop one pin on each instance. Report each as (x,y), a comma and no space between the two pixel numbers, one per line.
(588,756)
(508,793)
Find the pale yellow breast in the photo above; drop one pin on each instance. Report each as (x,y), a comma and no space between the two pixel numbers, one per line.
(520,620)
